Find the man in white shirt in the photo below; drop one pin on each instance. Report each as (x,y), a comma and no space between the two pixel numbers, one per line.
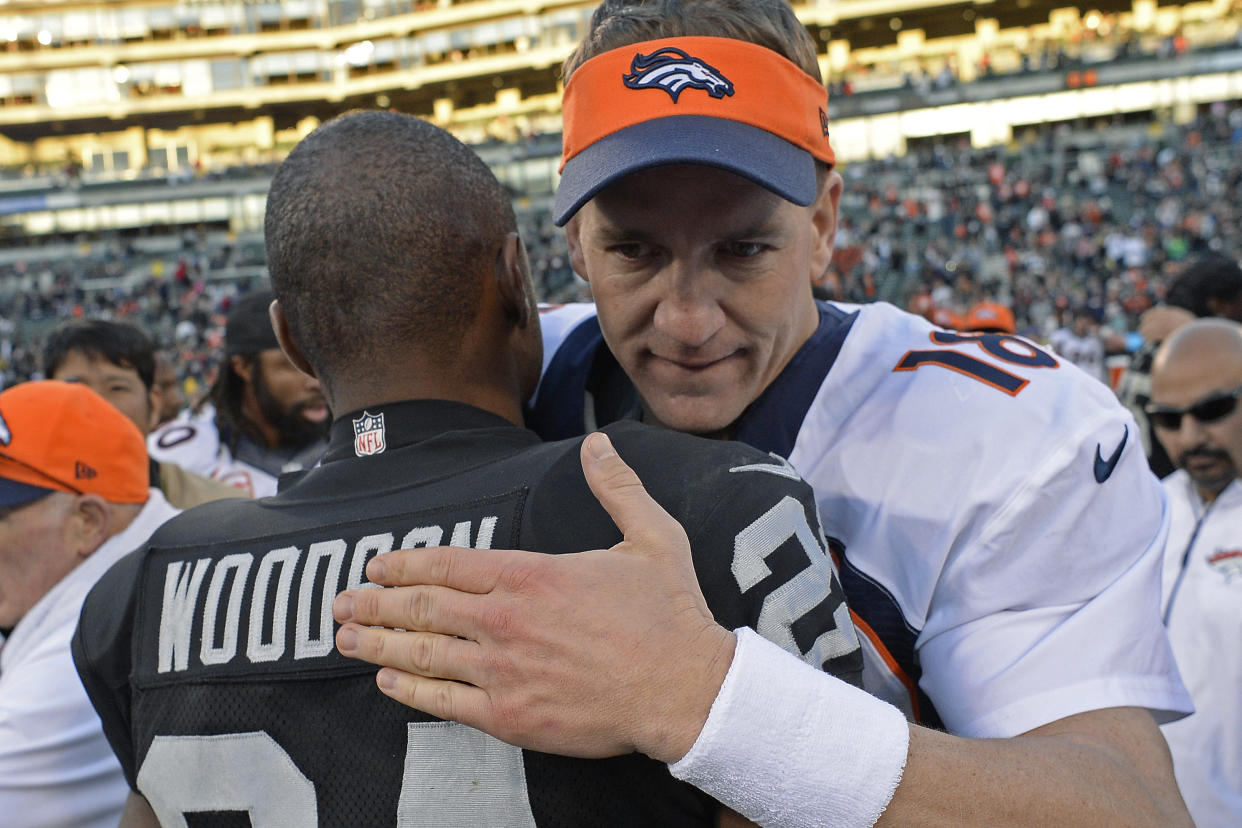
(1196,381)
(74,499)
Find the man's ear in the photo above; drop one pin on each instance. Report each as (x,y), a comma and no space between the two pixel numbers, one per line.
(155,403)
(280,325)
(517,294)
(824,213)
(90,524)
(573,236)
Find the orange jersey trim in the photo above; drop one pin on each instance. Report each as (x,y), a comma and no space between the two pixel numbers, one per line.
(750,84)
(890,662)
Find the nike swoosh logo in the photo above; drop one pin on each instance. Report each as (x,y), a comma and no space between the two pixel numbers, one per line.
(780,469)
(1104,468)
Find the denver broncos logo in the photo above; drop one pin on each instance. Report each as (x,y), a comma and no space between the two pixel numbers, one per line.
(674,71)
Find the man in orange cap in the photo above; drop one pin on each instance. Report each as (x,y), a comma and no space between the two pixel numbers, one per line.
(990,317)
(74,498)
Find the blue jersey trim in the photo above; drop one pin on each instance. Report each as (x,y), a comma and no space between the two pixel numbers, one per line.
(772,422)
(559,410)
(877,607)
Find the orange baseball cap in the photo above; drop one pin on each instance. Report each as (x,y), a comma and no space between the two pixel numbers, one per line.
(63,437)
(945,318)
(990,316)
(714,101)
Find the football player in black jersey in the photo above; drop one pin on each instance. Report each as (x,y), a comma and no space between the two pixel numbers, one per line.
(402,285)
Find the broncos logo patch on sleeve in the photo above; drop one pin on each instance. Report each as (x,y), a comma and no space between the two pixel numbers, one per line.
(674,71)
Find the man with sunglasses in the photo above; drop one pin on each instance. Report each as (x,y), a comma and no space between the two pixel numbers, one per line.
(1196,381)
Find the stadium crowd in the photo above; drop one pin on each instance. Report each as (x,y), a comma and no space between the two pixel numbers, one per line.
(1097,216)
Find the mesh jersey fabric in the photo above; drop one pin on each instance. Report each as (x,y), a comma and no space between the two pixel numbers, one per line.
(218,670)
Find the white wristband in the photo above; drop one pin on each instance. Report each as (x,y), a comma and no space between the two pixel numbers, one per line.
(787,745)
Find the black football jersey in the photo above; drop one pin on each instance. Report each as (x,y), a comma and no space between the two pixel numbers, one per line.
(209,652)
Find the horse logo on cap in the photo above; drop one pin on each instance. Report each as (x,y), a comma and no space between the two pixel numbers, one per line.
(674,71)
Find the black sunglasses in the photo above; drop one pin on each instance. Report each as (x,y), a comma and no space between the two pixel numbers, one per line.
(1211,408)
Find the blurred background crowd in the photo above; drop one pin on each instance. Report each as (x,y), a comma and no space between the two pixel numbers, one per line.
(1073,216)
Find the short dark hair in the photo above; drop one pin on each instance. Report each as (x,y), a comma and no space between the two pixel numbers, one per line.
(770,23)
(377,227)
(120,343)
(1209,277)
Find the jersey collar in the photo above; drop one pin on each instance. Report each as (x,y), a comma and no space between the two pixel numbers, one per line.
(410,422)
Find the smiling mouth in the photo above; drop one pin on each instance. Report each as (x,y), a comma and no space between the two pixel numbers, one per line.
(693,365)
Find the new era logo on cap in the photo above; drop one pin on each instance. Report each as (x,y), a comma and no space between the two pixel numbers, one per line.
(81,471)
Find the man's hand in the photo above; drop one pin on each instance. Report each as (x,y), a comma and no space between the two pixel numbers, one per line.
(509,641)
(1158,323)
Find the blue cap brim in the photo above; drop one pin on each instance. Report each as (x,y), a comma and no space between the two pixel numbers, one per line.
(753,153)
(13,493)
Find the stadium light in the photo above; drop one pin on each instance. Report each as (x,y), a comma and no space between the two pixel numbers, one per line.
(359,54)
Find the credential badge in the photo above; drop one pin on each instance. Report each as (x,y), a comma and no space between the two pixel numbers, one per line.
(369,434)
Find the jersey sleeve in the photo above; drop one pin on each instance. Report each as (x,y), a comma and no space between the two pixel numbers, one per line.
(103,656)
(759,548)
(766,525)
(1053,607)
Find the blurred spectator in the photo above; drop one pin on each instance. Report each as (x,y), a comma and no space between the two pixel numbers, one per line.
(1079,342)
(172,398)
(117,361)
(264,417)
(73,500)
(944,318)
(1196,381)
(1209,286)
(990,317)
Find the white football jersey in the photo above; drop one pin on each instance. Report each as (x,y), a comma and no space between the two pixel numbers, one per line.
(192,441)
(1203,608)
(998,530)
(1087,352)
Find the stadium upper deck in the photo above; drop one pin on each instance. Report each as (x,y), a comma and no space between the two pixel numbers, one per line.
(122,86)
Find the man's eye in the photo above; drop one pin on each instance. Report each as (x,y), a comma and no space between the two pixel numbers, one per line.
(745,249)
(631,250)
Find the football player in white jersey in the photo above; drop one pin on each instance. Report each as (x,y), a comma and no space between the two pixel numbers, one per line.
(1000,535)
(264,417)
(1080,343)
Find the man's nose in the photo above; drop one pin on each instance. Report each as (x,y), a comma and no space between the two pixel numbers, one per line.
(689,313)
(1191,431)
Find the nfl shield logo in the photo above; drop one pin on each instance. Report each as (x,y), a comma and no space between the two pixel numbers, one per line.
(369,434)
